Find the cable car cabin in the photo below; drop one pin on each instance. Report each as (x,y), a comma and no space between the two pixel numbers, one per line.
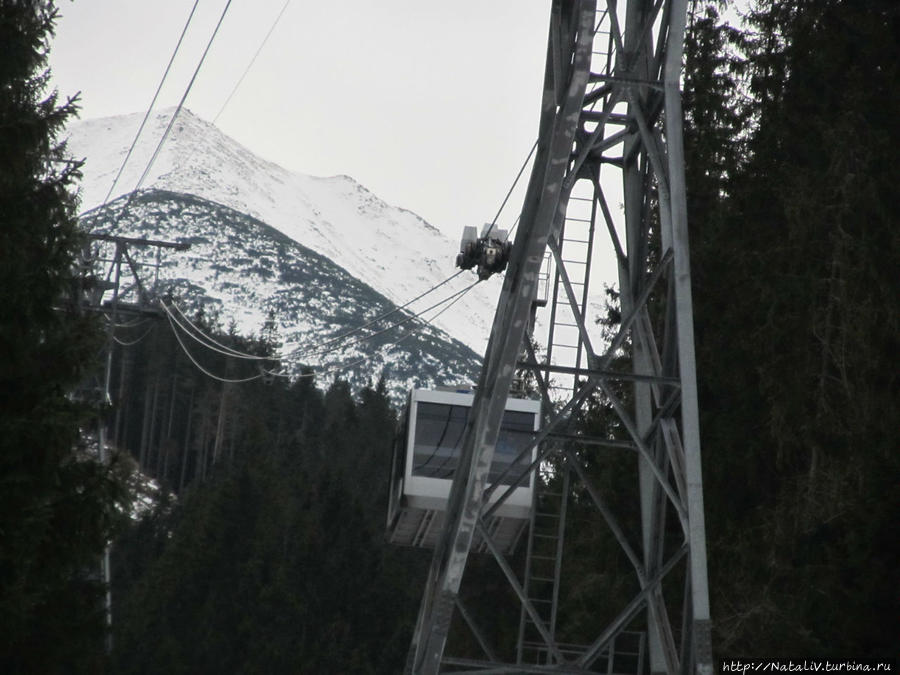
(426,454)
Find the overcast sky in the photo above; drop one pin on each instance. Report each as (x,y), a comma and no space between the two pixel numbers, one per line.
(431,105)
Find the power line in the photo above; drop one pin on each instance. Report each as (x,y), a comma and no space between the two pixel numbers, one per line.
(206,340)
(204,370)
(512,187)
(152,103)
(388,347)
(399,323)
(181,102)
(210,343)
(132,343)
(252,61)
(456,297)
(382,316)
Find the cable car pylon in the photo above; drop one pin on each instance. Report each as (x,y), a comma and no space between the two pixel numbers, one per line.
(610,109)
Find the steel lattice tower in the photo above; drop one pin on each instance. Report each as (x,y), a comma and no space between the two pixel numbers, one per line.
(611,115)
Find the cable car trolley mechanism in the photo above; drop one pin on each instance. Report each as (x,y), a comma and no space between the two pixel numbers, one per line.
(426,455)
(489,252)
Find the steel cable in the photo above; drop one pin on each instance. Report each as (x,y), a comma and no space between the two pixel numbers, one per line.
(395,325)
(204,370)
(152,103)
(210,342)
(386,348)
(181,102)
(132,343)
(380,317)
(252,61)
(511,188)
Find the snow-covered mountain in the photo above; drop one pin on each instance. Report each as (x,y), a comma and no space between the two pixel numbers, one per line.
(389,248)
(241,270)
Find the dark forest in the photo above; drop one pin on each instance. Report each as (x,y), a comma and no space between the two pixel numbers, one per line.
(247,519)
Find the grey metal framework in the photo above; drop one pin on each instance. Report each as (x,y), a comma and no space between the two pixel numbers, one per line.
(130,281)
(121,291)
(611,107)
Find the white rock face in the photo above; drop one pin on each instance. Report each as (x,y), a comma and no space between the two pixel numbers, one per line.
(389,248)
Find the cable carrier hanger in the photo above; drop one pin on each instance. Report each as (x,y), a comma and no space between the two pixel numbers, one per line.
(610,116)
(489,253)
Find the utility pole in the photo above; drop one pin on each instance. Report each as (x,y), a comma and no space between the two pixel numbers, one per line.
(122,291)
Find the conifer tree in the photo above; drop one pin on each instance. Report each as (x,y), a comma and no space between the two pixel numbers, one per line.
(56,503)
(797,325)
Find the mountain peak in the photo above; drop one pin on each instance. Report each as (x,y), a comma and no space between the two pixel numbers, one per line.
(392,249)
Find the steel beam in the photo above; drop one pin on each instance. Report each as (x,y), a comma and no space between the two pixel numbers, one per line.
(634,80)
(568,67)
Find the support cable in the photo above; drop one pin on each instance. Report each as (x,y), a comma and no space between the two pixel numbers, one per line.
(207,341)
(168,130)
(132,343)
(382,316)
(204,370)
(180,103)
(438,445)
(388,347)
(152,103)
(512,187)
(252,61)
(210,343)
(398,324)
(134,323)
(450,456)
(456,297)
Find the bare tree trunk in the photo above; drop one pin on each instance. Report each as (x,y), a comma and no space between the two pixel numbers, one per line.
(152,440)
(204,429)
(121,399)
(186,446)
(167,444)
(220,424)
(145,428)
(232,441)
